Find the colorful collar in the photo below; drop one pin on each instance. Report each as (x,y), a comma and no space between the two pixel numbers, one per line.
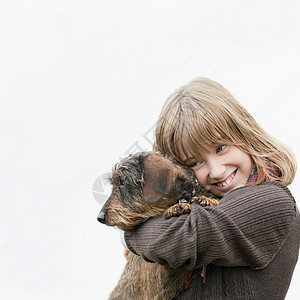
(254,175)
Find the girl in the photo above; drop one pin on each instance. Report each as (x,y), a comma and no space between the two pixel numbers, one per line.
(247,246)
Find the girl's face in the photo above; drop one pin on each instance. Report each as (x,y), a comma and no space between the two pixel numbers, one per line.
(221,169)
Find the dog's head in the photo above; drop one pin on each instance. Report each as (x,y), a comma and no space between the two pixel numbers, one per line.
(143,186)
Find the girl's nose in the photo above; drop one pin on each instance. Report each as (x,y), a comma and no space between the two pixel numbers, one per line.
(216,170)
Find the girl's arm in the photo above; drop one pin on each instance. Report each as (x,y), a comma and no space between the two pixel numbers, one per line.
(247,228)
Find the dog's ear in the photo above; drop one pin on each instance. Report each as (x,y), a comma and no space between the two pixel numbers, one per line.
(159,178)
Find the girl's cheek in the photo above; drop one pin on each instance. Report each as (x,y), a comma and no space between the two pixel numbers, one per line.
(200,177)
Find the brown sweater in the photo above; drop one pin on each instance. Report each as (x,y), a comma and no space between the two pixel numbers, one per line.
(249,243)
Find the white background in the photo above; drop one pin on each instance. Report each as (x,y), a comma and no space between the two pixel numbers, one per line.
(82,82)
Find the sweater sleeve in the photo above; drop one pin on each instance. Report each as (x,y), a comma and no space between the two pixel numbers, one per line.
(247,228)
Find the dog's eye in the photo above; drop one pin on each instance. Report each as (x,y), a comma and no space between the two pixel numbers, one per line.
(121,182)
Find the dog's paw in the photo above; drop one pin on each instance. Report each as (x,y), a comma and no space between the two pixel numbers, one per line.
(204,201)
(177,210)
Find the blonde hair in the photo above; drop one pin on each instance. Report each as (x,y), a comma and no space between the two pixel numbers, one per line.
(202,114)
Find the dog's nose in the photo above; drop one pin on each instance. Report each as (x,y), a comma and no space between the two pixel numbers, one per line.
(101,217)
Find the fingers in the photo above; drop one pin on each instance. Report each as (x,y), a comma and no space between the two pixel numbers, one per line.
(125,253)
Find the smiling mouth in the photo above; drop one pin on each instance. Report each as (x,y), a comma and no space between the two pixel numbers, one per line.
(227,181)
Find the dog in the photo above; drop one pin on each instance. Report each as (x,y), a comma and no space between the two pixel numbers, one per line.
(144,185)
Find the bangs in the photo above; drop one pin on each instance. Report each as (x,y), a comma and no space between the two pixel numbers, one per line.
(185,134)
(194,138)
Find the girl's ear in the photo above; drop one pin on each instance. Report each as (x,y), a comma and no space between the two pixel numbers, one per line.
(159,177)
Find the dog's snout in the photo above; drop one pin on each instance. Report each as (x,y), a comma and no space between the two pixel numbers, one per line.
(101,217)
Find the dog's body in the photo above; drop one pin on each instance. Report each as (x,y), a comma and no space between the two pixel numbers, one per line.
(145,185)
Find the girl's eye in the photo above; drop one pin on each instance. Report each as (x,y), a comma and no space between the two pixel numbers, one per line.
(221,148)
(193,165)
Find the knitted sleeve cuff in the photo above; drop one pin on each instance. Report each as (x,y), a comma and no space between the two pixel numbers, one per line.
(123,239)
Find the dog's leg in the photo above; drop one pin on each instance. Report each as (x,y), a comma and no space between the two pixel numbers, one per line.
(182,207)
(204,201)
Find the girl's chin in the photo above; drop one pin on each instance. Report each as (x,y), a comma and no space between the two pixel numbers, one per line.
(221,193)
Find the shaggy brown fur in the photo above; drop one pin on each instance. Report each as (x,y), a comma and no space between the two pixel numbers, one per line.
(145,185)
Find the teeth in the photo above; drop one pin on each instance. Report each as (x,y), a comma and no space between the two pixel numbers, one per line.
(226,182)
